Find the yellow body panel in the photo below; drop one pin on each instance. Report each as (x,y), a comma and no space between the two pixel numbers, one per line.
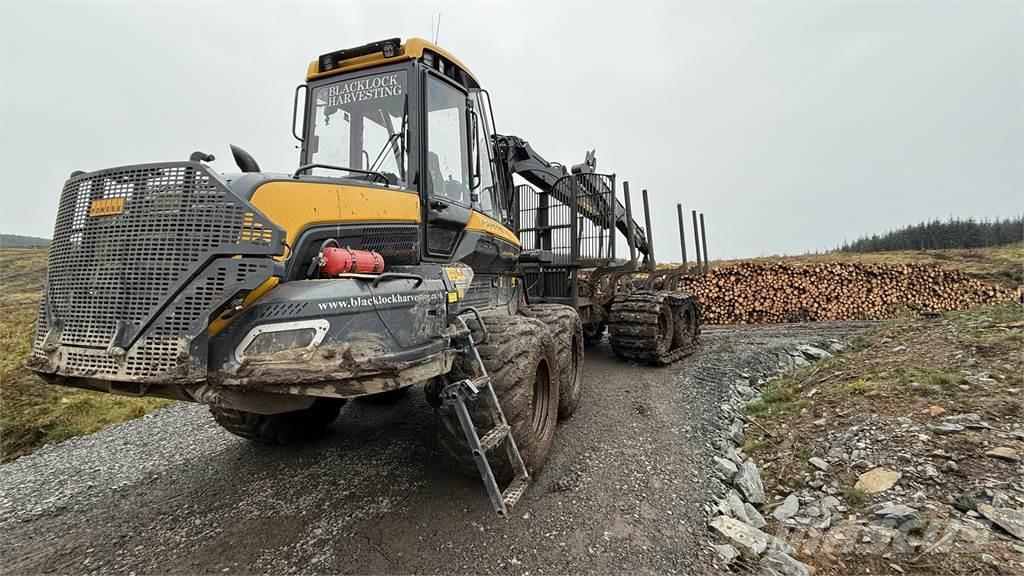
(411,50)
(297,205)
(218,324)
(482,223)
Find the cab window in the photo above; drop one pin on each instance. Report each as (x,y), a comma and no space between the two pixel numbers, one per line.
(360,122)
(490,201)
(447,143)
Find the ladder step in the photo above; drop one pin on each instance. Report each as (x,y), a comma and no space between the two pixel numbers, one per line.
(515,490)
(481,382)
(494,437)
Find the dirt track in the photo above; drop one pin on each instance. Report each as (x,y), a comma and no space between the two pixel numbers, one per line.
(623,492)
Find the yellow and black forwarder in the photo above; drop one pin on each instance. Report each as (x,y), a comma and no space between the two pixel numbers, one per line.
(389,258)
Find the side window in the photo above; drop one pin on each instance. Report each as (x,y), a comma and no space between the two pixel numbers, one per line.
(447,142)
(490,201)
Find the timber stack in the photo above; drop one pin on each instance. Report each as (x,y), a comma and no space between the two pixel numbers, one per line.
(771,292)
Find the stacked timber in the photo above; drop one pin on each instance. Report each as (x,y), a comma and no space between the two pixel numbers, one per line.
(769,292)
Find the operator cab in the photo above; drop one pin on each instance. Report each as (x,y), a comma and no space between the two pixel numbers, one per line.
(410,117)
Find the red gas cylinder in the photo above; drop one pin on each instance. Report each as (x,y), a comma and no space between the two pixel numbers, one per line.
(338,261)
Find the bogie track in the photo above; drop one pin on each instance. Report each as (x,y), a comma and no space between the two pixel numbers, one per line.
(654,326)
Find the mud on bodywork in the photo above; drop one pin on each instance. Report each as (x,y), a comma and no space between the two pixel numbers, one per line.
(347,338)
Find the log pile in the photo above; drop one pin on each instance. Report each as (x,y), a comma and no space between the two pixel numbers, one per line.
(770,292)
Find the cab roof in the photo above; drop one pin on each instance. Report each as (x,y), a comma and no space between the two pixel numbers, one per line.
(372,55)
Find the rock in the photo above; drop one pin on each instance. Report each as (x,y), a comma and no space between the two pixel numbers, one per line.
(777,563)
(968,417)
(789,507)
(749,541)
(1006,518)
(729,451)
(727,552)
(819,464)
(877,480)
(934,411)
(821,423)
(812,353)
(779,545)
(746,392)
(1004,452)
(899,516)
(724,469)
(733,506)
(947,428)
(899,349)
(748,481)
(753,516)
(786,363)
(736,432)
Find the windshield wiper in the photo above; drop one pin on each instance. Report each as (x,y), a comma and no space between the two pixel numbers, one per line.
(399,151)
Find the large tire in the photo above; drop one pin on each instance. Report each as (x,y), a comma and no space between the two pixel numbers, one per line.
(519,355)
(567,330)
(386,398)
(284,428)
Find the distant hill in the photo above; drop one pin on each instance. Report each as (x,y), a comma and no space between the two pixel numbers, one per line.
(938,235)
(17,240)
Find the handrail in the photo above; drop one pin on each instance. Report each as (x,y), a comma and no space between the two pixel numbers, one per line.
(398,276)
(306,167)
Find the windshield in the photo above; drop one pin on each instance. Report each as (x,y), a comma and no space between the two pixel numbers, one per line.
(359,122)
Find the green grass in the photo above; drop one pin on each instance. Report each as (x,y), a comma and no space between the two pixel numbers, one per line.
(779,397)
(854,496)
(947,382)
(859,343)
(33,413)
(753,447)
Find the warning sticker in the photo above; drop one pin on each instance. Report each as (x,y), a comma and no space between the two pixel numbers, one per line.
(457,274)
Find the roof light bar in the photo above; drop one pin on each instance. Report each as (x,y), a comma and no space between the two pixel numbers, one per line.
(389,48)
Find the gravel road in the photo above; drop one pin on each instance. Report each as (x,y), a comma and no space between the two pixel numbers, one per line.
(623,492)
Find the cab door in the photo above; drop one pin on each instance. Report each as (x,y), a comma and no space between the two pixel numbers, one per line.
(446,176)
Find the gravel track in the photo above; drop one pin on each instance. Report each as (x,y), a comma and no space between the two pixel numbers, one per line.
(623,492)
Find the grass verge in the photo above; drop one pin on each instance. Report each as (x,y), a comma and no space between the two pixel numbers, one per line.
(33,413)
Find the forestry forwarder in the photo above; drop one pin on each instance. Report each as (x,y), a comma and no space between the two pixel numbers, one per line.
(385,260)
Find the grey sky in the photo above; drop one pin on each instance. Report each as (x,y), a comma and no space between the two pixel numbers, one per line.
(792,126)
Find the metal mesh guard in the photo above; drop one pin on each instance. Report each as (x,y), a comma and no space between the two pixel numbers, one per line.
(130,246)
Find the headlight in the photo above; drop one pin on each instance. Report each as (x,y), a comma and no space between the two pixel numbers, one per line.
(285,336)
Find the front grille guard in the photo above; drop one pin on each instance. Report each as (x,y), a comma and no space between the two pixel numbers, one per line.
(140,258)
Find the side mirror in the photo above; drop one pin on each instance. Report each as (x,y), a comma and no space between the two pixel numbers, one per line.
(295,111)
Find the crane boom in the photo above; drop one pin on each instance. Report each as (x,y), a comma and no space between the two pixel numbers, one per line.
(520,158)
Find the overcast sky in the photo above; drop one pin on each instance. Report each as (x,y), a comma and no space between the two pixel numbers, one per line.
(793,126)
